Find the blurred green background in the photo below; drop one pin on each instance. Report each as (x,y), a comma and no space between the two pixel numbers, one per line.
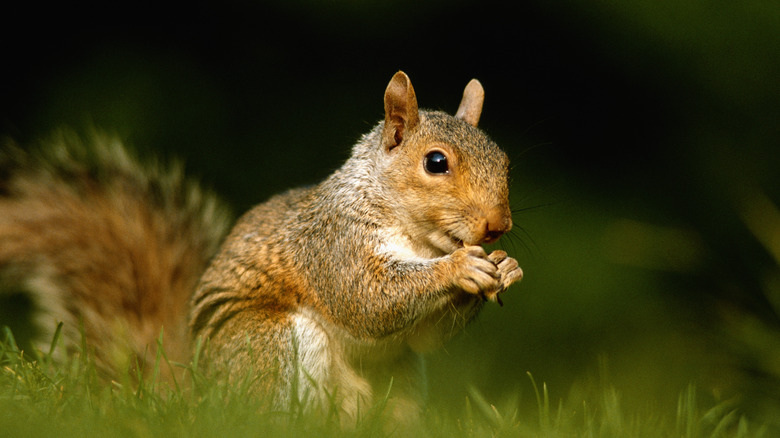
(644,137)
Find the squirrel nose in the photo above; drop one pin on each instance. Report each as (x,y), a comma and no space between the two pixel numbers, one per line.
(498,222)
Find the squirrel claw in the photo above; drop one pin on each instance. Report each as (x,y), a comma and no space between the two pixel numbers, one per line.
(494,297)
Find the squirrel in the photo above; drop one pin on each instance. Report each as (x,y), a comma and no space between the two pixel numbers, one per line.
(329,293)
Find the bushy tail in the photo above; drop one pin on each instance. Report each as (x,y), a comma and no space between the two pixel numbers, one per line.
(109,246)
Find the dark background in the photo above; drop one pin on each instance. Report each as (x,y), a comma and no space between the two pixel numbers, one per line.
(644,137)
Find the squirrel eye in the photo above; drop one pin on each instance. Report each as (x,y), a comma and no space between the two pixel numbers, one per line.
(436,163)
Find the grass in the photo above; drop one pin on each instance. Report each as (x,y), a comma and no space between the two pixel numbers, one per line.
(39,397)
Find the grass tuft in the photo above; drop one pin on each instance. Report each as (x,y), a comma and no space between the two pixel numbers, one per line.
(42,397)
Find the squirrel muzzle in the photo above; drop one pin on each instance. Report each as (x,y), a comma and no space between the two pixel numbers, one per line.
(497,222)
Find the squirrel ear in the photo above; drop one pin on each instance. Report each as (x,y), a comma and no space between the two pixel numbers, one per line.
(471,106)
(401,116)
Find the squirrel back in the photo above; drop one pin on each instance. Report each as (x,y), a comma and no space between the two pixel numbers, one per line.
(110,247)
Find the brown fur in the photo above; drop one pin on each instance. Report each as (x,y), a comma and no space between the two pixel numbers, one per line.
(104,242)
(327,293)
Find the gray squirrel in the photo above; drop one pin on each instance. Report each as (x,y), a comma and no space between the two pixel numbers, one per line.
(327,292)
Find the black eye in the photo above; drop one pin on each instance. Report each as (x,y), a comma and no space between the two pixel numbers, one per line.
(436,163)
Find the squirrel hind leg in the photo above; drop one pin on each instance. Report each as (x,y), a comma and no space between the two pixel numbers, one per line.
(322,370)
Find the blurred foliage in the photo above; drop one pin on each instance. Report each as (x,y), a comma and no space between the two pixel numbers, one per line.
(644,137)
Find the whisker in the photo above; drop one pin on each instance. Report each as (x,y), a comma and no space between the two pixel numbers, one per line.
(514,239)
(531,245)
(516,157)
(507,240)
(535,124)
(532,207)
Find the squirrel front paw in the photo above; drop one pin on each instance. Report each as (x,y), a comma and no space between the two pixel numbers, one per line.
(509,271)
(485,275)
(473,272)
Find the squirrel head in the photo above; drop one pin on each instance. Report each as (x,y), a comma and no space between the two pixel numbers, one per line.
(446,181)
